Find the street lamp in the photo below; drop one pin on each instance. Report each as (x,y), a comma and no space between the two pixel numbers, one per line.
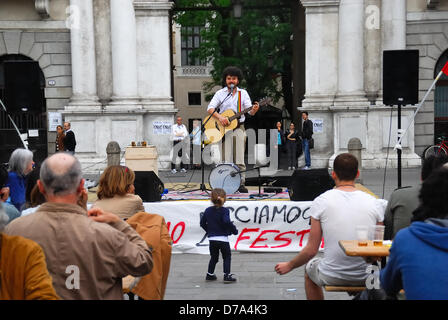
(270,60)
(237,8)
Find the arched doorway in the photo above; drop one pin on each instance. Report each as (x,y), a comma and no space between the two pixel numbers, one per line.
(441,100)
(22,85)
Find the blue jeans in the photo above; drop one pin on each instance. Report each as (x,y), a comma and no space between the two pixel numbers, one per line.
(306,152)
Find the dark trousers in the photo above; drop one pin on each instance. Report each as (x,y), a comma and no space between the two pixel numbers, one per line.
(291,148)
(215,247)
(179,154)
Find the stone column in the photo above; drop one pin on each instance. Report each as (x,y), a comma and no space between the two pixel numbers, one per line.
(153,54)
(84,93)
(101,10)
(351,54)
(321,73)
(394,24)
(124,56)
(321,57)
(372,49)
(154,72)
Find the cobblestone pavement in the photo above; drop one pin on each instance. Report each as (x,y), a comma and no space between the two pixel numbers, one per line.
(257,279)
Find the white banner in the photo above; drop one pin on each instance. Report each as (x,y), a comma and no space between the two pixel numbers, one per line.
(264,226)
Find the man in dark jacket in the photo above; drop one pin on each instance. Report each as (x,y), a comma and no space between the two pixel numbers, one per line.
(69,140)
(307,133)
(404,201)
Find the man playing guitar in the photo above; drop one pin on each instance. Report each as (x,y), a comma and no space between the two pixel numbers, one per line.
(236,99)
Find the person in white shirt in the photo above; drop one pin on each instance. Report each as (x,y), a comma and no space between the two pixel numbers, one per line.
(179,133)
(196,138)
(236,99)
(335,215)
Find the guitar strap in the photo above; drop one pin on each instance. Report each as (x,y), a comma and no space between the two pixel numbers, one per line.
(239,101)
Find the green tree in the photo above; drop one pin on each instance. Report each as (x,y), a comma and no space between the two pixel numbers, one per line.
(259,43)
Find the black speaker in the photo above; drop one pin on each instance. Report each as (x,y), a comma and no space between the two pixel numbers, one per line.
(22,86)
(276,181)
(148,186)
(400,77)
(306,185)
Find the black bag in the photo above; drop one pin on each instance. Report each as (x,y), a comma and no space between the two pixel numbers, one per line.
(311,143)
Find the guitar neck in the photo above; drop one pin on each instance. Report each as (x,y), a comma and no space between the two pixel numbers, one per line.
(239,114)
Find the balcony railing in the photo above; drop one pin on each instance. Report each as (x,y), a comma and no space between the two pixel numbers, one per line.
(193,71)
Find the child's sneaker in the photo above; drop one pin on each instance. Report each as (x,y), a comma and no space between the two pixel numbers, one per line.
(210,277)
(229,278)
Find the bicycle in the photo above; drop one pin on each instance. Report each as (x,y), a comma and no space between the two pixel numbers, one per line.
(437,149)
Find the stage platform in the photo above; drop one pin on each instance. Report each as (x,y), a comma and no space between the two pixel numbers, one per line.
(194,193)
(191,191)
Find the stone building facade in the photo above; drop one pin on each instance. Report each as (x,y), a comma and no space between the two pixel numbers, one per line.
(107,69)
(106,65)
(345,40)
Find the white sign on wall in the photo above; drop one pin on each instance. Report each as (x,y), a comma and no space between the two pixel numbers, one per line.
(318,125)
(33,133)
(161,127)
(54,119)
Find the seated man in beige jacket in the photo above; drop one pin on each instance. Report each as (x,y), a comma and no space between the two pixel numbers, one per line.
(87,253)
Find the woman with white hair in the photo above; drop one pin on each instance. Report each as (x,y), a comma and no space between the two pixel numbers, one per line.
(24,273)
(20,164)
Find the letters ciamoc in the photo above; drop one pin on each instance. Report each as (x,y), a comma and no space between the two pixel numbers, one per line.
(265,235)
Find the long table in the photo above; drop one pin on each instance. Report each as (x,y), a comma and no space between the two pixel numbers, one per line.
(351,248)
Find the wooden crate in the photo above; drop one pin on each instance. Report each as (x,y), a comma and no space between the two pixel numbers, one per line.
(142,158)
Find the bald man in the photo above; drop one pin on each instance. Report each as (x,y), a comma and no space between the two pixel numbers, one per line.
(87,253)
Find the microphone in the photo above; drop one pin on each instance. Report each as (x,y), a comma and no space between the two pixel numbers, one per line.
(228,95)
(218,108)
(231,90)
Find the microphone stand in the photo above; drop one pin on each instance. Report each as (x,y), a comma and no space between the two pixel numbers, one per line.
(259,178)
(202,186)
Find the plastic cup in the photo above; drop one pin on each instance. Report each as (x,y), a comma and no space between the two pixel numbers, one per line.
(362,234)
(377,235)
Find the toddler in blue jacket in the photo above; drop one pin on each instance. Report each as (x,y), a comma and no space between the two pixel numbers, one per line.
(216,222)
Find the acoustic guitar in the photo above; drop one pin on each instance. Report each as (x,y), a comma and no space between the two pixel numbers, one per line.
(214,131)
